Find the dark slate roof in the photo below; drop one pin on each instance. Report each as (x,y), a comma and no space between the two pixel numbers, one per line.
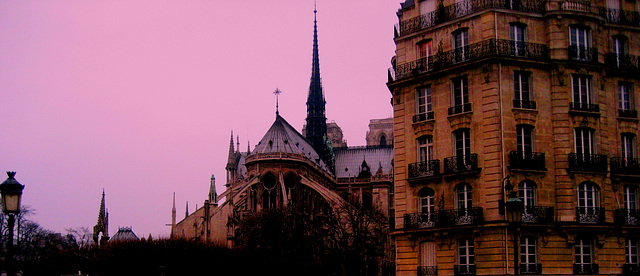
(283,138)
(407,4)
(124,234)
(349,160)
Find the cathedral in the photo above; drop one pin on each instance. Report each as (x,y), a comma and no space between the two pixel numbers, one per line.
(314,169)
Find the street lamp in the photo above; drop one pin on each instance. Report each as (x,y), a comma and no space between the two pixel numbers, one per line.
(514,209)
(11,191)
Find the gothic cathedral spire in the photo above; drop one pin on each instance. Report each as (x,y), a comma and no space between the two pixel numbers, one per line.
(103,224)
(316,129)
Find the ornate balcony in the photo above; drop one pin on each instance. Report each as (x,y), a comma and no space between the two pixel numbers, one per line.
(429,168)
(526,104)
(537,214)
(476,51)
(527,161)
(590,214)
(627,217)
(464,269)
(622,62)
(630,269)
(584,107)
(627,113)
(622,17)
(576,5)
(585,269)
(628,166)
(587,162)
(427,270)
(444,218)
(423,117)
(460,164)
(530,269)
(447,13)
(583,53)
(457,109)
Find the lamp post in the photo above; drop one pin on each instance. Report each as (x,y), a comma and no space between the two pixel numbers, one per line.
(514,208)
(11,191)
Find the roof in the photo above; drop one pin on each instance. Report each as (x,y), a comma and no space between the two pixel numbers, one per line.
(283,138)
(124,234)
(349,160)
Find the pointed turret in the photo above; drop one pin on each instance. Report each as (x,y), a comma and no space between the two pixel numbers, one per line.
(213,195)
(316,128)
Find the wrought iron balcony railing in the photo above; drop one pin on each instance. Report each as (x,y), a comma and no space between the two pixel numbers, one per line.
(424,169)
(588,107)
(531,269)
(627,217)
(447,13)
(583,53)
(464,269)
(630,269)
(460,164)
(461,108)
(523,160)
(627,113)
(623,165)
(537,214)
(587,162)
(444,218)
(527,104)
(427,270)
(590,214)
(622,17)
(621,61)
(483,49)
(585,269)
(423,117)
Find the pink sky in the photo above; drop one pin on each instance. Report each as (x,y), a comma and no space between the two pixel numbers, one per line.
(139,97)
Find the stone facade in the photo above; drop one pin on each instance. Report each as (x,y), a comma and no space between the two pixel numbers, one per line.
(380,132)
(537,94)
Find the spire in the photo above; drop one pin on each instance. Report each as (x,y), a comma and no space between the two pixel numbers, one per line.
(231,150)
(173,215)
(103,223)
(186,210)
(238,143)
(316,128)
(277,93)
(231,159)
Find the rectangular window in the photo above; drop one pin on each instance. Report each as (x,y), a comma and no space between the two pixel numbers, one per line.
(620,51)
(462,143)
(465,252)
(521,88)
(528,252)
(583,138)
(428,254)
(583,252)
(425,148)
(631,250)
(581,89)
(517,36)
(424,104)
(580,44)
(524,137)
(628,146)
(460,95)
(625,96)
(630,199)
(461,45)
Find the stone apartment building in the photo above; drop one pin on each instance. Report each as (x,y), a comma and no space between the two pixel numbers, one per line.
(534,96)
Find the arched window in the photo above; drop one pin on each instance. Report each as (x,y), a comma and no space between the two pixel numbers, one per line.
(269,181)
(383,140)
(290,183)
(253,198)
(589,210)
